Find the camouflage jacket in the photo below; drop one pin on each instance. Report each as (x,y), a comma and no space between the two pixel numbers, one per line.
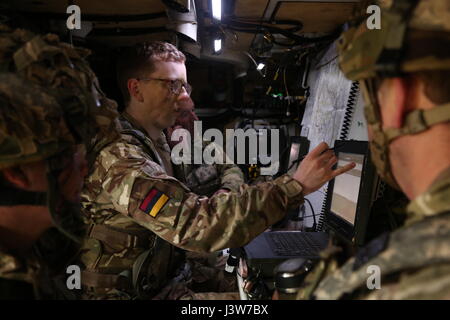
(40,273)
(16,278)
(201,179)
(129,198)
(414,261)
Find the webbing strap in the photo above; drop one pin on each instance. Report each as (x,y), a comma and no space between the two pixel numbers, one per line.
(99,280)
(116,238)
(420,120)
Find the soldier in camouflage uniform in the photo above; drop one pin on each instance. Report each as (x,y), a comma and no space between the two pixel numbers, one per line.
(139,213)
(201,179)
(403,70)
(51,113)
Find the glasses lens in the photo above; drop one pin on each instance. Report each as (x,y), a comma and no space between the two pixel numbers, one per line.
(177,87)
(188,88)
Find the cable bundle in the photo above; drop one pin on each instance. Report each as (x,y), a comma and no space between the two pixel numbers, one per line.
(352,98)
(322,214)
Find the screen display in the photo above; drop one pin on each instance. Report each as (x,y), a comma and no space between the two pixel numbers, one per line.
(344,199)
(293,156)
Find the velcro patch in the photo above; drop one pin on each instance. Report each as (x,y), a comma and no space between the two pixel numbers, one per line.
(153,202)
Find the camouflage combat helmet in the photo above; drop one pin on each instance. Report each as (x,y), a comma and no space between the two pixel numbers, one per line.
(49,97)
(366,53)
(414,36)
(49,101)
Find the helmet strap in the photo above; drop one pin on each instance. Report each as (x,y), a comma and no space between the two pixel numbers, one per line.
(61,214)
(12,196)
(420,120)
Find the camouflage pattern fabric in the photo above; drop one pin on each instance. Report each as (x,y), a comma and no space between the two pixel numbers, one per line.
(429,15)
(38,273)
(49,101)
(11,267)
(206,280)
(416,262)
(125,174)
(22,103)
(16,278)
(128,171)
(45,79)
(429,30)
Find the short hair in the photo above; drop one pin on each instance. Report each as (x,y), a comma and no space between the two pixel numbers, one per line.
(422,43)
(138,61)
(436,85)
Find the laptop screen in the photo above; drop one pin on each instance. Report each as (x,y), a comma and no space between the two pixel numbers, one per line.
(344,198)
(350,195)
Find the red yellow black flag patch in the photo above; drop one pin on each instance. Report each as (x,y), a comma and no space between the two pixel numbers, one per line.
(153,202)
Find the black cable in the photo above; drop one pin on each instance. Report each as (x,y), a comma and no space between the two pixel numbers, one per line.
(258,28)
(309,216)
(322,214)
(352,98)
(294,162)
(326,63)
(313,215)
(334,149)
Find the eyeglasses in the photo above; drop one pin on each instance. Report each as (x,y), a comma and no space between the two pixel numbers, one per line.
(175,86)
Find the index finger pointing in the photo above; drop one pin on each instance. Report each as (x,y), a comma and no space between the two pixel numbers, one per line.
(343,169)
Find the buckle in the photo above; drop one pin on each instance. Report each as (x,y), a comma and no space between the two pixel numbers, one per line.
(415,122)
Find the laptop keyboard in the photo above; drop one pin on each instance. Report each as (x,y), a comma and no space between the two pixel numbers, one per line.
(293,244)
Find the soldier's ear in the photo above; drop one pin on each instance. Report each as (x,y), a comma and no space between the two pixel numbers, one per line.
(392,97)
(134,90)
(17,177)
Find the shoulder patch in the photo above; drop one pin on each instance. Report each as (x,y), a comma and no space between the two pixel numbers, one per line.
(153,202)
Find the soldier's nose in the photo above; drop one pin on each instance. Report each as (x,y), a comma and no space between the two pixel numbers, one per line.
(185,103)
(184,95)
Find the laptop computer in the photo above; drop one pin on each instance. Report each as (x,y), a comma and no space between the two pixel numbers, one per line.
(347,207)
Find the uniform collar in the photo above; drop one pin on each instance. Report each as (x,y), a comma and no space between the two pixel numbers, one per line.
(432,202)
(161,142)
(131,123)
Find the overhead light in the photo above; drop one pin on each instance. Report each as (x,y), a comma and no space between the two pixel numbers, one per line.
(217,9)
(260,66)
(217,45)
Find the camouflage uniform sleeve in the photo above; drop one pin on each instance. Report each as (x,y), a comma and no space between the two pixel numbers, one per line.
(139,188)
(231,177)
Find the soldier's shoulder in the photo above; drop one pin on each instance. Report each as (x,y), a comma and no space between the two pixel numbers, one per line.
(119,164)
(430,283)
(415,250)
(121,149)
